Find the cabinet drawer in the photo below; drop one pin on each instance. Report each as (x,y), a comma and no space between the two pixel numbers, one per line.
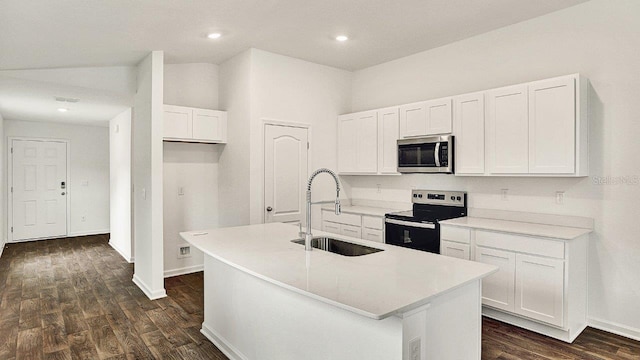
(456,234)
(373,235)
(351,230)
(372,222)
(522,244)
(456,250)
(331,227)
(349,219)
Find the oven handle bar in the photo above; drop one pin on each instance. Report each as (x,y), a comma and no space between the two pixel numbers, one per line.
(411,224)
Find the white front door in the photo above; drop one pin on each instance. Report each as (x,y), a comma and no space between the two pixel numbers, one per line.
(285,173)
(38,189)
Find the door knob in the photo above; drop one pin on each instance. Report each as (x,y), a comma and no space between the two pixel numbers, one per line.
(269,208)
(63,193)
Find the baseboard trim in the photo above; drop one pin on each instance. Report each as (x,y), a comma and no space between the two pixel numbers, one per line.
(615,328)
(128,259)
(152,295)
(222,344)
(184,270)
(87,233)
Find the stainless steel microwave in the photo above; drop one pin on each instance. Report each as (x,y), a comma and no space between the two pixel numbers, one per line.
(432,154)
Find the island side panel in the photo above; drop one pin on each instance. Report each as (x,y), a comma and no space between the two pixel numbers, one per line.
(453,325)
(248,318)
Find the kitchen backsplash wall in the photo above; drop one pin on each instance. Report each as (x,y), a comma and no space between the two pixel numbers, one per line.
(598,39)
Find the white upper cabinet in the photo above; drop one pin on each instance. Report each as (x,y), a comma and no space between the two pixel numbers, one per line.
(358,143)
(552,126)
(178,121)
(508,130)
(388,121)
(194,125)
(209,125)
(426,118)
(469,133)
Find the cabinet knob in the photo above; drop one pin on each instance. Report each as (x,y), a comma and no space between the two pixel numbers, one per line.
(269,208)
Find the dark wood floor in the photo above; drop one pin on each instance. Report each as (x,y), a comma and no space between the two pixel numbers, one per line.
(73,299)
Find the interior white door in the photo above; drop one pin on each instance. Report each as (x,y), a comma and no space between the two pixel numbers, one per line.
(38,189)
(285,173)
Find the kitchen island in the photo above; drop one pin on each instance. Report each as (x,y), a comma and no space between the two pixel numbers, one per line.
(265,297)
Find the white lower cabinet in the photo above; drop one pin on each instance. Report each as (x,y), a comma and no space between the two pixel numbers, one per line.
(498,288)
(540,283)
(540,288)
(359,226)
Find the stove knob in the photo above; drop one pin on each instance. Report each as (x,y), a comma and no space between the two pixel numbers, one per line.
(458,198)
(453,198)
(420,196)
(415,195)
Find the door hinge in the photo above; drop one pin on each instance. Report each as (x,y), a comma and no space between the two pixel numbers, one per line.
(307,145)
(12,229)
(12,189)
(12,150)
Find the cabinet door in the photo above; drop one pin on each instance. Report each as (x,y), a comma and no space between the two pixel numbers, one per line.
(508,130)
(453,249)
(347,135)
(498,288)
(388,124)
(469,133)
(209,125)
(177,122)
(438,116)
(540,288)
(413,120)
(552,126)
(351,230)
(367,142)
(331,227)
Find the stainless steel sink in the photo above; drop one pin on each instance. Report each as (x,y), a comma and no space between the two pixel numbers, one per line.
(338,246)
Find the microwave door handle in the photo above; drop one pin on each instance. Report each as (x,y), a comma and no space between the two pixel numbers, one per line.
(437,154)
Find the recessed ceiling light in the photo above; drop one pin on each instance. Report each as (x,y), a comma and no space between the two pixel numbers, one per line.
(63,109)
(214,35)
(342,38)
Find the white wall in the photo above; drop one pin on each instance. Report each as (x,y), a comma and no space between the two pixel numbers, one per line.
(194,85)
(3,204)
(120,184)
(233,184)
(293,90)
(194,169)
(599,39)
(88,187)
(147,177)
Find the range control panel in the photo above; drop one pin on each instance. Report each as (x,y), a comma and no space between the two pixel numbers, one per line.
(434,197)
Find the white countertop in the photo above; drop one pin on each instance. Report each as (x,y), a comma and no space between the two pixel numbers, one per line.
(362,210)
(376,285)
(518,227)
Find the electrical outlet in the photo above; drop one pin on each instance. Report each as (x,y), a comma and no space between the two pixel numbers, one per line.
(505,195)
(414,349)
(379,190)
(559,197)
(184,251)
(180,191)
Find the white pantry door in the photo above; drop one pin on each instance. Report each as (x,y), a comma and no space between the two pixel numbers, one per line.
(38,197)
(285,173)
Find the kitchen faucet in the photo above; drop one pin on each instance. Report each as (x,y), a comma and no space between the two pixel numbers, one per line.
(308,236)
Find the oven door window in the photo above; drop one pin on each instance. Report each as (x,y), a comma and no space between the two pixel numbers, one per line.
(417,155)
(413,237)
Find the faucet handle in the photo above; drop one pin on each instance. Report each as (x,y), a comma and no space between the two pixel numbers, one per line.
(338,207)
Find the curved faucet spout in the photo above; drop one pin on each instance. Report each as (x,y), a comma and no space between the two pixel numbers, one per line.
(308,235)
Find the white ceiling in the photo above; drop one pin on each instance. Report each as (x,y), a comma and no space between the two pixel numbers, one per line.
(74,33)
(86,49)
